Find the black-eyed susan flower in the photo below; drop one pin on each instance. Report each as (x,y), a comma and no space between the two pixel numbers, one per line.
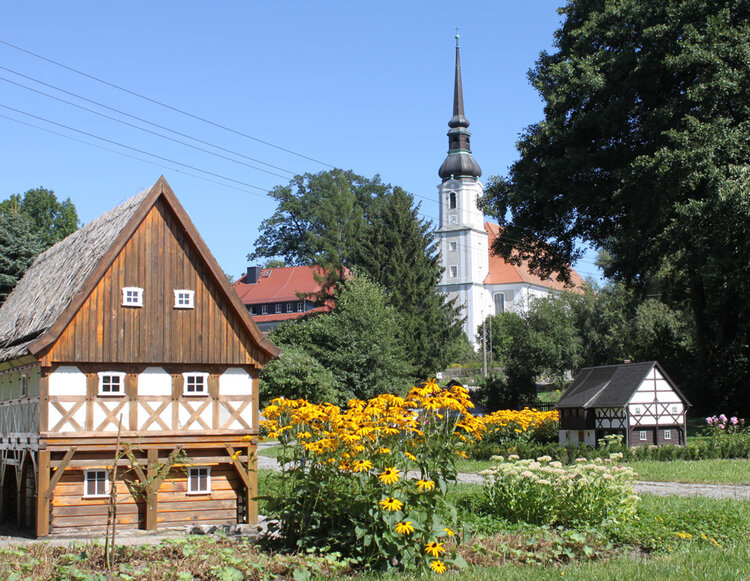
(425,485)
(361,465)
(410,456)
(438,566)
(448,532)
(405,528)
(434,548)
(391,503)
(390,476)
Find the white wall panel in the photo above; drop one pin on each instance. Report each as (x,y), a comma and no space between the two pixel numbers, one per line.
(67,381)
(235,381)
(154,381)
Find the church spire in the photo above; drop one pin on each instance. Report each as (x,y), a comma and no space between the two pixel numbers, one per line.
(459,162)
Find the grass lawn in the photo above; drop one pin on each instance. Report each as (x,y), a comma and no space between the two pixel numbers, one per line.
(701,471)
(271,452)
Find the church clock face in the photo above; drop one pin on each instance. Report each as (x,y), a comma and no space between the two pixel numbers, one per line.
(453,219)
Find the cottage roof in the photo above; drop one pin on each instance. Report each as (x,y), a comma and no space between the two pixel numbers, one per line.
(278,284)
(503,272)
(57,283)
(609,385)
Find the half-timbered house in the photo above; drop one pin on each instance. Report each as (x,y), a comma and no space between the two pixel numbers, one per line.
(128,325)
(636,400)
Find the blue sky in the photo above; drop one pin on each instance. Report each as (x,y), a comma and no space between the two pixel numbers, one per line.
(365,86)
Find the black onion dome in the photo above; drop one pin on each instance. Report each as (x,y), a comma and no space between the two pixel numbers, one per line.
(459,162)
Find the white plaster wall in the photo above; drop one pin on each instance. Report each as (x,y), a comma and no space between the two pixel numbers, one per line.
(570,437)
(154,381)
(235,381)
(67,380)
(100,414)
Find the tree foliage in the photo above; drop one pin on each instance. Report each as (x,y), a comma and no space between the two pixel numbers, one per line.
(298,374)
(358,342)
(19,246)
(643,152)
(338,220)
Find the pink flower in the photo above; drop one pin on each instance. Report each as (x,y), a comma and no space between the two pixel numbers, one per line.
(709,420)
(734,420)
(721,426)
(723,419)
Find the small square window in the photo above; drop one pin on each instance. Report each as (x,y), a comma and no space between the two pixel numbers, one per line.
(643,436)
(199,480)
(277,308)
(290,307)
(184,299)
(637,409)
(111,383)
(132,296)
(667,434)
(264,310)
(300,307)
(195,383)
(675,409)
(452,246)
(96,484)
(453,271)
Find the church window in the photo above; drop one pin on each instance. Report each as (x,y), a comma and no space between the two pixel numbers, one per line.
(499,303)
(452,200)
(452,246)
(453,271)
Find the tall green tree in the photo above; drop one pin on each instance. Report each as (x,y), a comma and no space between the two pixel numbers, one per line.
(358,342)
(338,220)
(19,246)
(52,219)
(643,144)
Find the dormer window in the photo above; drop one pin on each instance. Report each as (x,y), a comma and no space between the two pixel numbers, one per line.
(264,310)
(290,307)
(196,383)
(111,383)
(184,299)
(132,296)
(277,308)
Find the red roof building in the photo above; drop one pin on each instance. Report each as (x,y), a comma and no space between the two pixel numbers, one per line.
(273,295)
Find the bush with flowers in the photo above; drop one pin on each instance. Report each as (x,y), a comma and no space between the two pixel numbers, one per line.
(526,424)
(728,436)
(370,480)
(543,491)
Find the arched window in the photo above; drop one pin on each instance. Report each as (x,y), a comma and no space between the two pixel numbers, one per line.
(452,201)
(499,303)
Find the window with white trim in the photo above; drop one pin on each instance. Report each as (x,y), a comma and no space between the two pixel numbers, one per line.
(132,296)
(277,308)
(196,383)
(452,246)
(96,483)
(300,307)
(643,436)
(637,409)
(675,409)
(199,480)
(667,434)
(290,307)
(111,383)
(499,303)
(453,271)
(184,299)
(264,310)
(24,385)
(452,200)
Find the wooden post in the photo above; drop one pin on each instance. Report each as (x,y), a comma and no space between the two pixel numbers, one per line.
(42,498)
(20,490)
(152,496)
(252,489)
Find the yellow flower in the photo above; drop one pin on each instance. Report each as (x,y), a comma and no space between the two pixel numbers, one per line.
(449,532)
(391,503)
(410,456)
(405,528)
(461,453)
(438,566)
(361,465)
(425,485)
(384,451)
(434,548)
(390,476)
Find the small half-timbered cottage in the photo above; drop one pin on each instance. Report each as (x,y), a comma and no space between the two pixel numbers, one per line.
(636,400)
(128,324)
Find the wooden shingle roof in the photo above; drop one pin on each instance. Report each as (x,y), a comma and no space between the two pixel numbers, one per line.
(56,284)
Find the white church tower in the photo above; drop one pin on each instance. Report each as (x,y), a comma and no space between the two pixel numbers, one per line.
(462,235)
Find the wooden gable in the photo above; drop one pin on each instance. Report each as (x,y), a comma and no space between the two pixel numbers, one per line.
(160,252)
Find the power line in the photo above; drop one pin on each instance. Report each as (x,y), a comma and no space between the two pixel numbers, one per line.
(165,105)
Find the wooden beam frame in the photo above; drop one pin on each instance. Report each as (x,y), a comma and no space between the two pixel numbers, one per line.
(45,486)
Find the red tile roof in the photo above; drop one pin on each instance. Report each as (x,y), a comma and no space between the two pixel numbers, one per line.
(503,272)
(278,284)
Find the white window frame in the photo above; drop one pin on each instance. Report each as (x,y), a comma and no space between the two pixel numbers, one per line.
(643,436)
(637,409)
(132,296)
(277,309)
(264,309)
(194,375)
(184,298)
(452,200)
(300,307)
(494,302)
(452,246)
(675,409)
(290,307)
(667,434)
(24,382)
(453,271)
(119,374)
(196,471)
(88,480)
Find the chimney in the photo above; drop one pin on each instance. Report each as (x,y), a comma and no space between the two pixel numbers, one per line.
(253,274)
